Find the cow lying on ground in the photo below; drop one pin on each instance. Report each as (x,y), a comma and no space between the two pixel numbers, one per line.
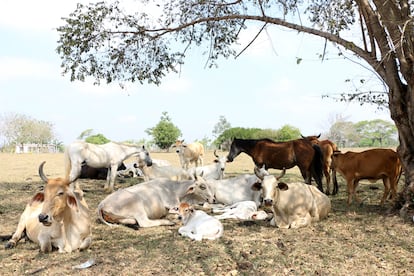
(145,204)
(371,164)
(243,210)
(88,172)
(294,205)
(197,225)
(231,190)
(56,218)
(169,172)
(189,153)
(131,170)
(212,171)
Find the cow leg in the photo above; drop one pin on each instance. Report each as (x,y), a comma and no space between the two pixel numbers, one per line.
(85,243)
(21,226)
(110,179)
(75,172)
(144,221)
(387,185)
(350,190)
(301,221)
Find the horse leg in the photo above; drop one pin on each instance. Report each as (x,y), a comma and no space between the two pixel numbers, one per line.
(328,179)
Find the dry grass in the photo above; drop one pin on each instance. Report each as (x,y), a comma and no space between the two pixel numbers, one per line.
(361,240)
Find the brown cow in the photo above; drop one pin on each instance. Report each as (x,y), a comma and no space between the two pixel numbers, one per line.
(327,147)
(57,217)
(371,164)
(189,153)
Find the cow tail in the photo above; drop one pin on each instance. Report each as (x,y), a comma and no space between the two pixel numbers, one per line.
(68,163)
(100,215)
(317,166)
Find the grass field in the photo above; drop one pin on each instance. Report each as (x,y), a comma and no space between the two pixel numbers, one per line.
(359,240)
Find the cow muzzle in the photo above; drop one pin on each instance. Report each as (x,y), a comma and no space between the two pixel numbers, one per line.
(45,220)
(268,202)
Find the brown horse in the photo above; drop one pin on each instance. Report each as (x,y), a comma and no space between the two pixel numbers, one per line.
(280,155)
(327,147)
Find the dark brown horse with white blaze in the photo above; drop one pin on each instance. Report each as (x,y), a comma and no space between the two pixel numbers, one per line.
(282,155)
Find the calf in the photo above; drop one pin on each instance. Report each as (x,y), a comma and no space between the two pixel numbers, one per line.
(371,164)
(212,171)
(294,205)
(243,210)
(197,225)
(56,218)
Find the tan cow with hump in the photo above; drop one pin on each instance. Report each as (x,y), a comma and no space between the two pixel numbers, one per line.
(189,153)
(56,218)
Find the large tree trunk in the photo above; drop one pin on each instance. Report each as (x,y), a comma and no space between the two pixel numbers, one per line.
(402,112)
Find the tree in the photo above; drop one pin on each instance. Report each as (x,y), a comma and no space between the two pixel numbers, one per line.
(104,42)
(165,133)
(19,129)
(221,126)
(376,133)
(98,139)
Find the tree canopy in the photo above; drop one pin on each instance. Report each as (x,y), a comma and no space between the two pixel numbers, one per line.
(165,133)
(107,41)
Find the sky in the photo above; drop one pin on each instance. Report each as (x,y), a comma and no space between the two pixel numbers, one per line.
(263,88)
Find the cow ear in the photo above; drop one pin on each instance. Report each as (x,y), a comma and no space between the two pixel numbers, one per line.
(190,190)
(282,186)
(72,203)
(256,186)
(39,197)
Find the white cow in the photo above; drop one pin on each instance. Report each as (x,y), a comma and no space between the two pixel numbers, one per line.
(212,171)
(189,153)
(147,203)
(294,205)
(243,210)
(231,190)
(169,172)
(198,225)
(131,170)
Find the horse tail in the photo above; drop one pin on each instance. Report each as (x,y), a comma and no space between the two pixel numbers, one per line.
(68,163)
(317,166)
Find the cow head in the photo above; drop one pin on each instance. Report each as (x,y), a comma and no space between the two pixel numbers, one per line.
(56,198)
(185,211)
(179,145)
(201,189)
(221,163)
(269,186)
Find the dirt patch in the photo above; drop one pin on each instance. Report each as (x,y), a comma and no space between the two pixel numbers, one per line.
(360,240)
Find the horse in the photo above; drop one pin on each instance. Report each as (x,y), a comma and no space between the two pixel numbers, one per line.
(280,155)
(109,155)
(327,147)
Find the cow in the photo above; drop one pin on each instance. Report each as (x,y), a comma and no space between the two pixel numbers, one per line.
(88,172)
(56,218)
(211,171)
(189,153)
(294,205)
(327,147)
(231,190)
(372,164)
(243,210)
(131,170)
(145,204)
(169,172)
(197,224)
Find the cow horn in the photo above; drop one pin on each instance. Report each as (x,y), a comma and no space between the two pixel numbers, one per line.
(282,174)
(41,173)
(215,154)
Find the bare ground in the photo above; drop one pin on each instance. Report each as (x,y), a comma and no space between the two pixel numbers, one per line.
(359,240)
